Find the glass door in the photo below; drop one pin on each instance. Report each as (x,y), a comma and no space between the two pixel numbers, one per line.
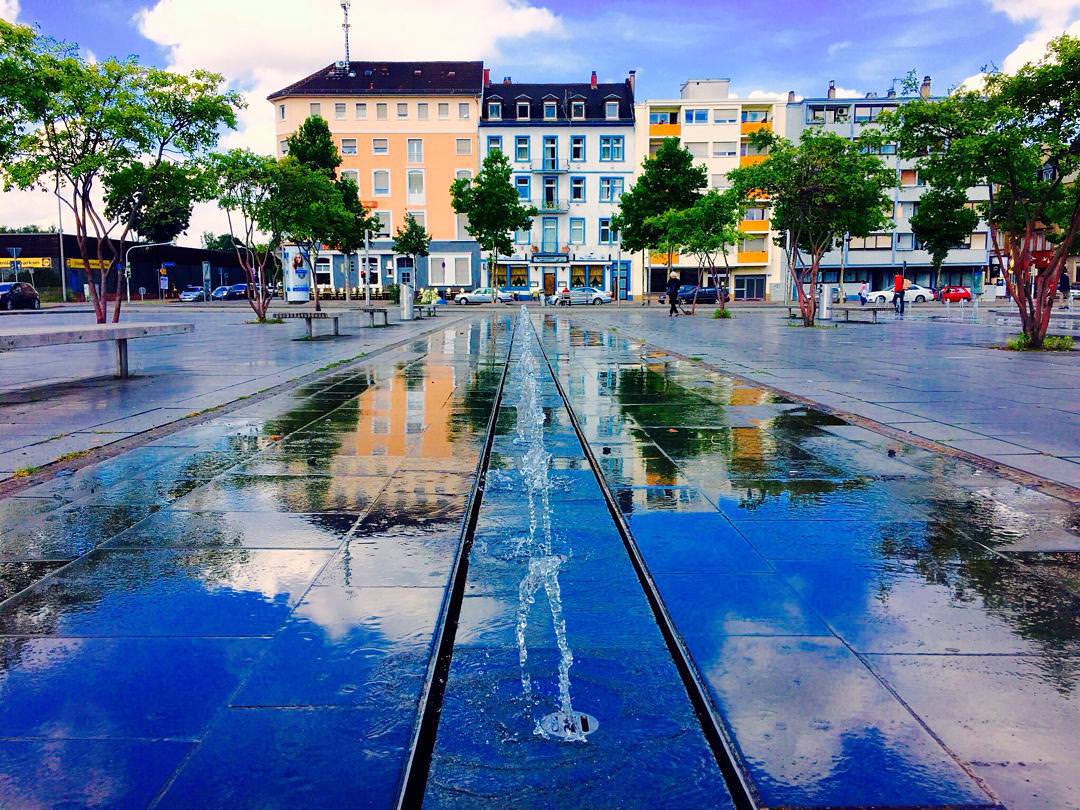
(551,152)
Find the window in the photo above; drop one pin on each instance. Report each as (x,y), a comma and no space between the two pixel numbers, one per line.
(380,146)
(463,146)
(444,109)
(577,189)
(384,223)
(698,149)
(550,111)
(422,110)
(495,110)
(577,147)
(577,110)
(436,271)
(718,181)
(339,110)
(284,147)
(828,114)
(463,174)
(521,148)
(348,146)
(725,115)
(909,177)
(361,111)
(664,117)
(755,214)
(694,116)
(748,148)
(402,109)
(420,217)
(607,235)
(351,174)
(281,111)
(755,116)
(524,186)
(875,241)
(611,110)
(414,183)
(611,148)
(524,110)
(463,111)
(870,112)
(883,149)
(415,150)
(381,111)
(519,275)
(380,182)
(906,210)
(522,237)
(725,149)
(577,231)
(754,245)
(611,189)
(494,143)
(904,241)
(315,108)
(977,241)
(462,270)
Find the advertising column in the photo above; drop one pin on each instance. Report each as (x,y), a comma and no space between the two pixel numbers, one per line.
(297,279)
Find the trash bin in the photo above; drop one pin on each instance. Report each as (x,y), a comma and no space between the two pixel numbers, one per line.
(826,301)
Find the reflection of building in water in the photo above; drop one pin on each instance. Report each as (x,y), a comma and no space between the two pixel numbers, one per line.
(408,415)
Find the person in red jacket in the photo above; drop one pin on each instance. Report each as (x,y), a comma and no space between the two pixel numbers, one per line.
(898,294)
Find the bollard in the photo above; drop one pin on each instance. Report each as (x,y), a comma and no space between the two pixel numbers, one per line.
(406,302)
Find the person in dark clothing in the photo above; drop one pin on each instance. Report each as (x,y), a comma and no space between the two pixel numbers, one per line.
(1064,287)
(673,294)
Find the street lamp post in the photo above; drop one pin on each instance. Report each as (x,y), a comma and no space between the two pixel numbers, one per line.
(127,263)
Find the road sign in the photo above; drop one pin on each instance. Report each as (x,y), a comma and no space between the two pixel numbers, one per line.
(163,272)
(206,278)
(163,283)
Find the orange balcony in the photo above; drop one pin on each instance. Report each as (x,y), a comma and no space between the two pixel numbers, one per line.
(663,130)
(751,160)
(661,258)
(753,257)
(754,225)
(749,127)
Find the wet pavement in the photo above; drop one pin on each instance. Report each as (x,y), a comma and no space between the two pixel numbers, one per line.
(242,613)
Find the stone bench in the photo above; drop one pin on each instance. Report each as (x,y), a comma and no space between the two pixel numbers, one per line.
(309,317)
(427,310)
(371,312)
(873,309)
(33,337)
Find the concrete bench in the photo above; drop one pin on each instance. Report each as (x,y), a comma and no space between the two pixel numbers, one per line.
(427,310)
(873,309)
(371,312)
(309,317)
(33,337)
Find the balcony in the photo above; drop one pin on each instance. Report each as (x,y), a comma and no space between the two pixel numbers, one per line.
(661,258)
(749,127)
(663,130)
(754,226)
(753,257)
(751,160)
(550,166)
(548,205)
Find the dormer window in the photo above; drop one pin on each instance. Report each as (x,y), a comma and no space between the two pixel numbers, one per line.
(577,110)
(523,110)
(494,110)
(611,110)
(550,111)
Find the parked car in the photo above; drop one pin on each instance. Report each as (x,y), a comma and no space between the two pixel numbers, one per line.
(954,294)
(484,295)
(705,295)
(579,296)
(219,293)
(237,291)
(19,295)
(193,293)
(914,293)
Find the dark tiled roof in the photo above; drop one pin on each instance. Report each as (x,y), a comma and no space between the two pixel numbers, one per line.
(390,78)
(562,94)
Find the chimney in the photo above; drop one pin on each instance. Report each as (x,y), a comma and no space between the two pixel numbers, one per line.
(631,80)
(790,96)
(506,80)
(832,89)
(592,80)
(487,77)
(924,90)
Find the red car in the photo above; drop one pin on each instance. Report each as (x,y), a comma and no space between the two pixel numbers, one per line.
(954,294)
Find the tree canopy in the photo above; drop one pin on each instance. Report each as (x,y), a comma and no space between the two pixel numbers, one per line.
(313,146)
(942,221)
(411,239)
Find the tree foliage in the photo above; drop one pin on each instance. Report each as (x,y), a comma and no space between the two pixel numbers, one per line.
(942,221)
(1020,137)
(817,190)
(313,146)
(492,206)
(155,201)
(411,239)
(82,129)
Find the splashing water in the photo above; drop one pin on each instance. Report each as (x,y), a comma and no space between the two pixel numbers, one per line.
(543,565)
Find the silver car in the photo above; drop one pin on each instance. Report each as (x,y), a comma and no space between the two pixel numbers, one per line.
(484,295)
(578,296)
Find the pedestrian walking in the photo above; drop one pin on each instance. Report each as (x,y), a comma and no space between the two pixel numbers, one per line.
(864,294)
(899,286)
(673,294)
(1064,286)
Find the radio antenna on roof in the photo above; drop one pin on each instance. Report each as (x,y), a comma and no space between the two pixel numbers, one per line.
(345,27)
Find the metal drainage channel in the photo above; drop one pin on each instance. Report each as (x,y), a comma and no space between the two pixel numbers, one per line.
(422,746)
(727,757)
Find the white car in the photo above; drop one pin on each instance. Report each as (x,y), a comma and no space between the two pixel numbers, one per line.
(581,295)
(484,295)
(914,293)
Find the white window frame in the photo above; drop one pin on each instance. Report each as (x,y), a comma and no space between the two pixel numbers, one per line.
(420,217)
(443,110)
(402,110)
(315,108)
(374,187)
(528,110)
(283,147)
(457,146)
(717,119)
(422,111)
(408,150)
(379,213)
(463,113)
(494,110)
(551,107)
(382,111)
(360,111)
(348,150)
(607,110)
(281,111)
(577,110)
(717,152)
(353,173)
(340,110)
(375,149)
(415,199)
(463,174)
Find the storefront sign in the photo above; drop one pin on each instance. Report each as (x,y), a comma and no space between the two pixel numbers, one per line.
(550,258)
(95,264)
(35,263)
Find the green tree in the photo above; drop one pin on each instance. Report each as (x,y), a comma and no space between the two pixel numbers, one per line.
(364,221)
(817,190)
(27,229)
(155,201)
(492,206)
(705,231)
(941,222)
(669,180)
(313,146)
(1020,137)
(412,239)
(82,128)
(223,241)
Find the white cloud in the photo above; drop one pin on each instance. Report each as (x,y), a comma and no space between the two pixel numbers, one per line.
(261,47)
(836,47)
(1050,18)
(9,10)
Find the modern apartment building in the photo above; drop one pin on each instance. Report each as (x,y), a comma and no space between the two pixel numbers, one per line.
(571,147)
(715,127)
(405,131)
(876,258)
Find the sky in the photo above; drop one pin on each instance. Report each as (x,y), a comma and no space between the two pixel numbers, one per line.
(773,47)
